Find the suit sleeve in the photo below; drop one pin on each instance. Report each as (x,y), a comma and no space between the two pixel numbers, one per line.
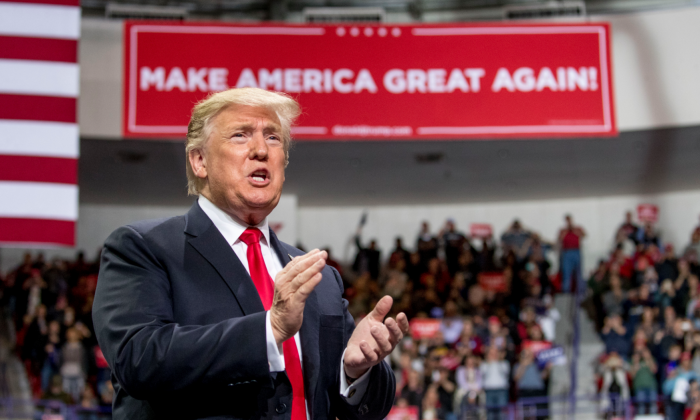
(148,352)
(379,397)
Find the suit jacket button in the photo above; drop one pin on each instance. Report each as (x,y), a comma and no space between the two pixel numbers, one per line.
(281,408)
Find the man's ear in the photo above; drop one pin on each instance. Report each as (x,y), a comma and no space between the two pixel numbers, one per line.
(198,162)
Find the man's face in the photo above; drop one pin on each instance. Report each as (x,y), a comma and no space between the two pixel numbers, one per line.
(244,162)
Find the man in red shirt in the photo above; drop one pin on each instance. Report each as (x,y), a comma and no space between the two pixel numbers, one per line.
(570,258)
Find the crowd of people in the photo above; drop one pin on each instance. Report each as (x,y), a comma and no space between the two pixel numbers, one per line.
(483,311)
(645,302)
(487,351)
(50,307)
(494,306)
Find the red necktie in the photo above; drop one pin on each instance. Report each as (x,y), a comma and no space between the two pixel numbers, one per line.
(266,290)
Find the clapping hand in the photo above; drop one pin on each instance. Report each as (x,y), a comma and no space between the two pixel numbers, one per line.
(374,338)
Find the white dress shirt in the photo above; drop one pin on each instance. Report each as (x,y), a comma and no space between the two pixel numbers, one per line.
(231,230)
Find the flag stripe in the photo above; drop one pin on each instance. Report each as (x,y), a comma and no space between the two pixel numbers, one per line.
(46,78)
(44,49)
(52,2)
(41,108)
(23,231)
(39,20)
(39,169)
(39,138)
(36,200)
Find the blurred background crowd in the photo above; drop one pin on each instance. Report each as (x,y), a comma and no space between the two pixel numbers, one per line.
(482,314)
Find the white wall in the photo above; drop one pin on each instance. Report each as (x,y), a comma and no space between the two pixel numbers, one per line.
(655,68)
(600,216)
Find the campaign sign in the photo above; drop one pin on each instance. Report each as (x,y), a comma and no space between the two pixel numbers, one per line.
(647,213)
(424,328)
(554,355)
(480,230)
(536,346)
(493,281)
(397,82)
(403,413)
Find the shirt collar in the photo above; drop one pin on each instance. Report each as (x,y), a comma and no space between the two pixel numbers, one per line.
(229,227)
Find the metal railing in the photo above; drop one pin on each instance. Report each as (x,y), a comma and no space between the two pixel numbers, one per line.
(13,408)
(564,407)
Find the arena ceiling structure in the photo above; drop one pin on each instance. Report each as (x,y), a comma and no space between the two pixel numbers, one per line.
(418,10)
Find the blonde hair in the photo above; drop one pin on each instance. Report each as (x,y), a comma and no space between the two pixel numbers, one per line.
(199,128)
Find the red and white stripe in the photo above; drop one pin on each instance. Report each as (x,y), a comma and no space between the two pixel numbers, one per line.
(39,139)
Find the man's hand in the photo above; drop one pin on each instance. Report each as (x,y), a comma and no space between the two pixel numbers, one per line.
(373,339)
(292,286)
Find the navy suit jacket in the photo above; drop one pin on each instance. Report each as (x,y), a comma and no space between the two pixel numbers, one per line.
(182,326)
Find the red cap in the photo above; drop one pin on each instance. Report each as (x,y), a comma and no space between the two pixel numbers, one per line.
(494,320)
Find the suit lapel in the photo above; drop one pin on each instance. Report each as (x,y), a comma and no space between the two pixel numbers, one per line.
(309,332)
(209,242)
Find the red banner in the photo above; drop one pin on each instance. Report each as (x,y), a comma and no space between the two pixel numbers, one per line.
(536,346)
(493,281)
(379,82)
(424,327)
(480,230)
(647,213)
(403,413)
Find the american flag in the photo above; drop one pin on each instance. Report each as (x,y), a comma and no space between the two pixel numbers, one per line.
(39,143)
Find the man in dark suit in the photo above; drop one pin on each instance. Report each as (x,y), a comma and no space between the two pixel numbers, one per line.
(209,315)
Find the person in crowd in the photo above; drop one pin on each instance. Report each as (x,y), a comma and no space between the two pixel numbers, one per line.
(693,405)
(648,235)
(530,379)
(615,391)
(570,245)
(413,391)
(495,374)
(615,336)
(667,267)
(73,362)
(56,391)
(469,342)
(497,336)
(469,387)
(676,387)
(452,324)
(454,243)
(627,231)
(367,259)
(692,250)
(400,252)
(643,371)
(430,404)
(614,299)
(52,361)
(107,394)
(517,240)
(446,394)
(426,245)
